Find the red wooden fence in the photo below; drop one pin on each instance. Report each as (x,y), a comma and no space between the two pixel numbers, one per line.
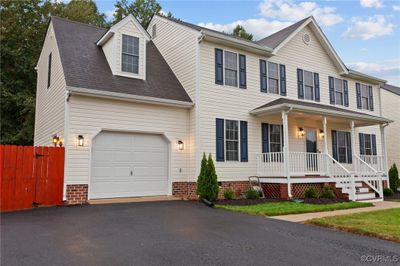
(30,176)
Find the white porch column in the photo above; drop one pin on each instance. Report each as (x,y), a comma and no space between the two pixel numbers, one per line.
(384,151)
(286,150)
(324,121)
(353,152)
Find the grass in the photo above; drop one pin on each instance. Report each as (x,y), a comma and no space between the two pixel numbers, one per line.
(283,208)
(384,224)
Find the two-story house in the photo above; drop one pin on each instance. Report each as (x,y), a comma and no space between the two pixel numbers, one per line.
(137,108)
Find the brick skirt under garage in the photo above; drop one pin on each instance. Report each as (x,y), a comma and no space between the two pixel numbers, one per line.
(77,194)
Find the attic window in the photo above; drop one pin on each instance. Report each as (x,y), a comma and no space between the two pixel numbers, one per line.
(154,31)
(130,54)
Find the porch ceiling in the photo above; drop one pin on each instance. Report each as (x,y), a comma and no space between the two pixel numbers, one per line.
(304,109)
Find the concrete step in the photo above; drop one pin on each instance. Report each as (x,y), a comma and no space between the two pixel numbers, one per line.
(362,189)
(365,196)
(371,200)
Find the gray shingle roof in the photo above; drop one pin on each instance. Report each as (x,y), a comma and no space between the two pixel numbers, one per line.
(274,40)
(85,65)
(391,88)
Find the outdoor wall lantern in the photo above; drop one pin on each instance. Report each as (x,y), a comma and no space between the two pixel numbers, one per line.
(321,134)
(80,140)
(55,140)
(301,132)
(180,145)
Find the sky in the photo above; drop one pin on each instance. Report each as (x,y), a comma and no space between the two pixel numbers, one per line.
(365,33)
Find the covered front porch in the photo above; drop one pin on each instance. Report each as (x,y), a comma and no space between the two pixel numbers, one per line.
(321,144)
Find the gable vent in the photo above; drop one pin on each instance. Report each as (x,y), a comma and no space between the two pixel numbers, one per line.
(306,38)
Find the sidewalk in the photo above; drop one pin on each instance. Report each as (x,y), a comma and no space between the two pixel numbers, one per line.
(298,218)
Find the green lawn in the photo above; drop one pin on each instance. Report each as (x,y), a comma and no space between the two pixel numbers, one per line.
(383,224)
(283,208)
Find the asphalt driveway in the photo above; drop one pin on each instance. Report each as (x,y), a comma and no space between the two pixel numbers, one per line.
(175,233)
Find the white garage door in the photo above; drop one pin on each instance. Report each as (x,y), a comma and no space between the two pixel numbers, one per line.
(128,165)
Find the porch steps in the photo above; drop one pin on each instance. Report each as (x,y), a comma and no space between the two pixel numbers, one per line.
(371,200)
(365,195)
(363,192)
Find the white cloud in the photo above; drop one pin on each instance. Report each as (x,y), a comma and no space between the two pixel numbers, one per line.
(387,69)
(260,28)
(396,7)
(371,3)
(364,49)
(375,26)
(291,11)
(110,14)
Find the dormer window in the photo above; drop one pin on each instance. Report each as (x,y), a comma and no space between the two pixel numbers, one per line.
(130,54)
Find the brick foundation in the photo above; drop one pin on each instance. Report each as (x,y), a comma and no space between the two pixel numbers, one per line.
(77,194)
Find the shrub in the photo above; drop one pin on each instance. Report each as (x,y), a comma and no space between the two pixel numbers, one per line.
(207,184)
(229,194)
(394,181)
(251,193)
(387,192)
(327,193)
(311,193)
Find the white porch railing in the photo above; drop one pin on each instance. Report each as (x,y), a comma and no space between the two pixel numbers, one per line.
(375,161)
(270,164)
(369,175)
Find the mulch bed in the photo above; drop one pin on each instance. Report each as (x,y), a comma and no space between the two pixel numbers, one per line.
(247,201)
(324,201)
(396,196)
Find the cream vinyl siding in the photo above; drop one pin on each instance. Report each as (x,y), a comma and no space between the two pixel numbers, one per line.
(178,45)
(391,110)
(233,103)
(88,116)
(50,102)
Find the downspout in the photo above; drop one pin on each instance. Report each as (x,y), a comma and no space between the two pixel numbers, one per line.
(286,149)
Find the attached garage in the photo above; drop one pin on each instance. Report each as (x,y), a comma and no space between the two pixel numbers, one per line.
(129,165)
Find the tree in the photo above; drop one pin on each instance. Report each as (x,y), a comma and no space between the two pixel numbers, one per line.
(240,31)
(143,10)
(207,184)
(394,181)
(23,27)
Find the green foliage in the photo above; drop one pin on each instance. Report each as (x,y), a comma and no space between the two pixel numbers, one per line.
(327,193)
(387,192)
(207,184)
(394,181)
(229,194)
(143,10)
(251,193)
(23,27)
(240,31)
(311,193)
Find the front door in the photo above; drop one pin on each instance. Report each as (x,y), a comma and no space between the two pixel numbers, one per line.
(311,149)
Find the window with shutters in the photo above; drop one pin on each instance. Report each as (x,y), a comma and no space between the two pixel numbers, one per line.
(232,140)
(231,68)
(342,147)
(273,78)
(367,148)
(130,54)
(338,91)
(308,85)
(275,138)
(364,96)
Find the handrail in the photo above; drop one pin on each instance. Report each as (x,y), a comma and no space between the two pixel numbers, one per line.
(365,163)
(338,164)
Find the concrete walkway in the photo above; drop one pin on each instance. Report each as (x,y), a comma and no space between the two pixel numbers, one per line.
(298,218)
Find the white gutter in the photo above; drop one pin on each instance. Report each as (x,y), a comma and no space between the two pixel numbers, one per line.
(359,75)
(128,97)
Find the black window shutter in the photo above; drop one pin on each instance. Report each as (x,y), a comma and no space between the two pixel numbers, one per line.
(220,140)
(348,144)
(282,71)
(300,88)
(282,137)
(49,72)
(265,137)
(334,145)
(346,93)
(373,143)
(243,142)
(316,87)
(219,72)
(263,75)
(358,91)
(362,139)
(371,98)
(331,90)
(242,71)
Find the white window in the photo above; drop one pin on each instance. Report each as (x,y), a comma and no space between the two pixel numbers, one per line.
(342,147)
(130,54)
(364,96)
(308,85)
(275,138)
(232,140)
(367,147)
(339,91)
(231,68)
(273,77)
